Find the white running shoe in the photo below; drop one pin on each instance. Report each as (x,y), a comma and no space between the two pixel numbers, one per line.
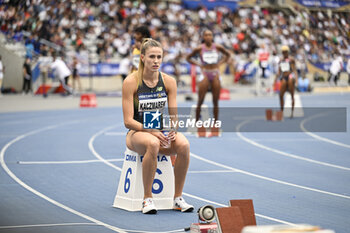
(180,204)
(148,206)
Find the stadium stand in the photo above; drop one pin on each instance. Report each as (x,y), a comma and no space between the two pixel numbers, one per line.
(101,31)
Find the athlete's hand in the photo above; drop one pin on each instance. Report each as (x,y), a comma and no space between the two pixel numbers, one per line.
(162,138)
(172,135)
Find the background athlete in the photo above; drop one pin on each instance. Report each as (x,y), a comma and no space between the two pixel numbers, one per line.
(288,75)
(210,61)
(140,33)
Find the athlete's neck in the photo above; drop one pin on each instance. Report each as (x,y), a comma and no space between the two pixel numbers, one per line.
(208,44)
(150,78)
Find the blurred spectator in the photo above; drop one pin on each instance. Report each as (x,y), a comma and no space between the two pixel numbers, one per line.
(124,66)
(2,70)
(348,70)
(29,48)
(335,69)
(303,84)
(61,71)
(44,63)
(27,76)
(76,77)
(263,56)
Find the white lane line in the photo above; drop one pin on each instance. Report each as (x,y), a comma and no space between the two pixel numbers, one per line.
(284,153)
(49,225)
(68,162)
(319,137)
(267,178)
(115,133)
(282,139)
(91,147)
(256,214)
(75,224)
(211,171)
(24,185)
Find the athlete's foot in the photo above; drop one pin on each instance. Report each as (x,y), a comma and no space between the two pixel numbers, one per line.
(148,206)
(215,132)
(181,205)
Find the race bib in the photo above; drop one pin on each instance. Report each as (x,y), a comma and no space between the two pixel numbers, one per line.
(285,66)
(152,104)
(210,57)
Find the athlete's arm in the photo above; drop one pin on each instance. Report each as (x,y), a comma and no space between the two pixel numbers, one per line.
(294,70)
(192,54)
(128,90)
(225,52)
(171,88)
(278,74)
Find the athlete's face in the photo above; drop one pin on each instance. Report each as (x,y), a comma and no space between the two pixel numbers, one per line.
(208,36)
(152,59)
(285,54)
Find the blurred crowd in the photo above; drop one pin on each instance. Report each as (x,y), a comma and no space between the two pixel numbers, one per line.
(105,28)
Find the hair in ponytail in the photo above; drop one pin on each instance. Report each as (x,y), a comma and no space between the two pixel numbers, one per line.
(146,43)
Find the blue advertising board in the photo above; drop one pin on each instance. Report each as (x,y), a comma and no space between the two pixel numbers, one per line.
(323,3)
(211,4)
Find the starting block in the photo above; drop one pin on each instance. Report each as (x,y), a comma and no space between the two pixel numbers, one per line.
(234,218)
(273,115)
(130,189)
(224,94)
(48,89)
(88,100)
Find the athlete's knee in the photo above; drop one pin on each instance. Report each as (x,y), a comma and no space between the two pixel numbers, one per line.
(183,147)
(153,145)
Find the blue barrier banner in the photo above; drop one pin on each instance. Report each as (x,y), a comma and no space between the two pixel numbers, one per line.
(322,66)
(99,69)
(327,65)
(108,69)
(211,4)
(323,3)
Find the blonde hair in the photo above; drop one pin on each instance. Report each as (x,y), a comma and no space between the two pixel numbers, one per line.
(146,44)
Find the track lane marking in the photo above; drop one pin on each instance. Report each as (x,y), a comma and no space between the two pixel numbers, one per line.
(68,161)
(294,156)
(39,194)
(319,137)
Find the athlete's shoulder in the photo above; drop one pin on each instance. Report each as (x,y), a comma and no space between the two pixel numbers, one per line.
(168,80)
(130,80)
(218,46)
(199,48)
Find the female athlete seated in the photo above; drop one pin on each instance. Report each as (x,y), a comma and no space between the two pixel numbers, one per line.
(143,88)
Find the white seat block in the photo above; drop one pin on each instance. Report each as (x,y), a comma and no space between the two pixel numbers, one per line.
(130,189)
